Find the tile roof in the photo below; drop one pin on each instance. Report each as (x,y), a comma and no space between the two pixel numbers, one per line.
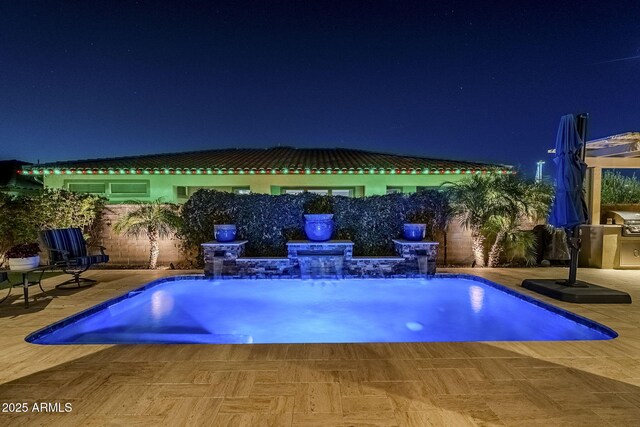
(279,159)
(10,180)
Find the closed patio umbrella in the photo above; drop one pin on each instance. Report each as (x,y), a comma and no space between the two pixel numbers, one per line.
(569,211)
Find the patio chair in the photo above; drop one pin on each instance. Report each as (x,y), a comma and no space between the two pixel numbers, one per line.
(69,250)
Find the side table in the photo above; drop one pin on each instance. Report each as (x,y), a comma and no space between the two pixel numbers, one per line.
(25,282)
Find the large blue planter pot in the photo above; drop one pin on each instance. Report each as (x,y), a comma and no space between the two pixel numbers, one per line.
(224,232)
(414,232)
(318,227)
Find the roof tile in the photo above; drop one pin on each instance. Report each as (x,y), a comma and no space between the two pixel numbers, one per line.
(270,158)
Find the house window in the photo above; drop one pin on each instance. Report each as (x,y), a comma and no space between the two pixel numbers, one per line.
(184,192)
(341,192)
(391,190)
(129,188)
(241,190)
(181,192)
(348,192)
(110,188)
(87,187)
(431,187)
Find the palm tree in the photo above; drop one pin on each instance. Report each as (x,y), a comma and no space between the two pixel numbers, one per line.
(475,202)
(520,200)
(493,208)
(153,219)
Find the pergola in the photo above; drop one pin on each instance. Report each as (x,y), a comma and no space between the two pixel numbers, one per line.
(613,152)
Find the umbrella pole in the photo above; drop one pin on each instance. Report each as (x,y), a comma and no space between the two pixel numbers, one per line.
(573,234)
(573,241)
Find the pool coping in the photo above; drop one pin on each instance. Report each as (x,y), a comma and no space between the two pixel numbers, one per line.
(592,324)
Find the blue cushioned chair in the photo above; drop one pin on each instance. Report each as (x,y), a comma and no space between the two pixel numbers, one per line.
(68,249)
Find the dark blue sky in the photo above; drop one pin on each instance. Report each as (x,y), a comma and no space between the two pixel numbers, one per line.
(467,80)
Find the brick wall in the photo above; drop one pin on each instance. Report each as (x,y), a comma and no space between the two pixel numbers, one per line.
(458,245)
(124,250)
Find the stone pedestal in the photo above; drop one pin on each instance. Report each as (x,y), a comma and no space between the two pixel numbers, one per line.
(421,254)
(220,257)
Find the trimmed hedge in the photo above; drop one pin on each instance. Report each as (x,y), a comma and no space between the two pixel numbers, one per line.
(268,222)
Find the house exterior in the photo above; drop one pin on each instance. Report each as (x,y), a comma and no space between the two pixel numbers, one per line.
(174,177)
(14,183)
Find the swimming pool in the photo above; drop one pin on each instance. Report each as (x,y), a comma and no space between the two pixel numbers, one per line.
(188,309)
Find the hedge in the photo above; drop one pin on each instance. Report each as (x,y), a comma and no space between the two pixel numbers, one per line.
(21,217)
(268,222)
(620,189)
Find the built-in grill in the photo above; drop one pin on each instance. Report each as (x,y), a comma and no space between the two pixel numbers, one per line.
(630,222)
(629,241)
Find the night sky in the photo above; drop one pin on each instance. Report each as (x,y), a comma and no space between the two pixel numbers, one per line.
(485,81)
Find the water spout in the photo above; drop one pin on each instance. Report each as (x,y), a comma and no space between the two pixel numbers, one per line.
(321,264)
(425,265)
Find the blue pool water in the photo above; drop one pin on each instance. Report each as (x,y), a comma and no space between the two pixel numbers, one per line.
(196,310)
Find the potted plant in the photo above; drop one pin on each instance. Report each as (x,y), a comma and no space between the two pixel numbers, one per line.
(24,256)
(318,219)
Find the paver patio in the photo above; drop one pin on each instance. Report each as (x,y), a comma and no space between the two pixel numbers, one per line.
(416,384)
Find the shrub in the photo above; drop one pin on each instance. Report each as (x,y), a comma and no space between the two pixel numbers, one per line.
(319,205)
(371,222)
(268,222)
(619,189)
(22,217)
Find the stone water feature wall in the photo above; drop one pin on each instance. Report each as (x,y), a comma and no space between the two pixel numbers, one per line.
(224,260)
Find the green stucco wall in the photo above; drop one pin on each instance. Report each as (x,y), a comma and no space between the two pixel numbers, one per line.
(165,186)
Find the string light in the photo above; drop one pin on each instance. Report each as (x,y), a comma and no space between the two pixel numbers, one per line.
(262,171)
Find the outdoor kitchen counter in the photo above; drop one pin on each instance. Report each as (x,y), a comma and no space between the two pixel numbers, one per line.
(604,246)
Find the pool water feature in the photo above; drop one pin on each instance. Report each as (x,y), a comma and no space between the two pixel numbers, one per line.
(188,309)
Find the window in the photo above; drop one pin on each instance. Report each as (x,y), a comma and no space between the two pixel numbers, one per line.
(341,192)
(181,192)
(241,190)
(110,188)
(129,188)
(391,190)
(347,192)
(87,187)
(431,187)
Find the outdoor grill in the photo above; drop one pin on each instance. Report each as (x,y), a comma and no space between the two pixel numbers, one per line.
(630,222)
